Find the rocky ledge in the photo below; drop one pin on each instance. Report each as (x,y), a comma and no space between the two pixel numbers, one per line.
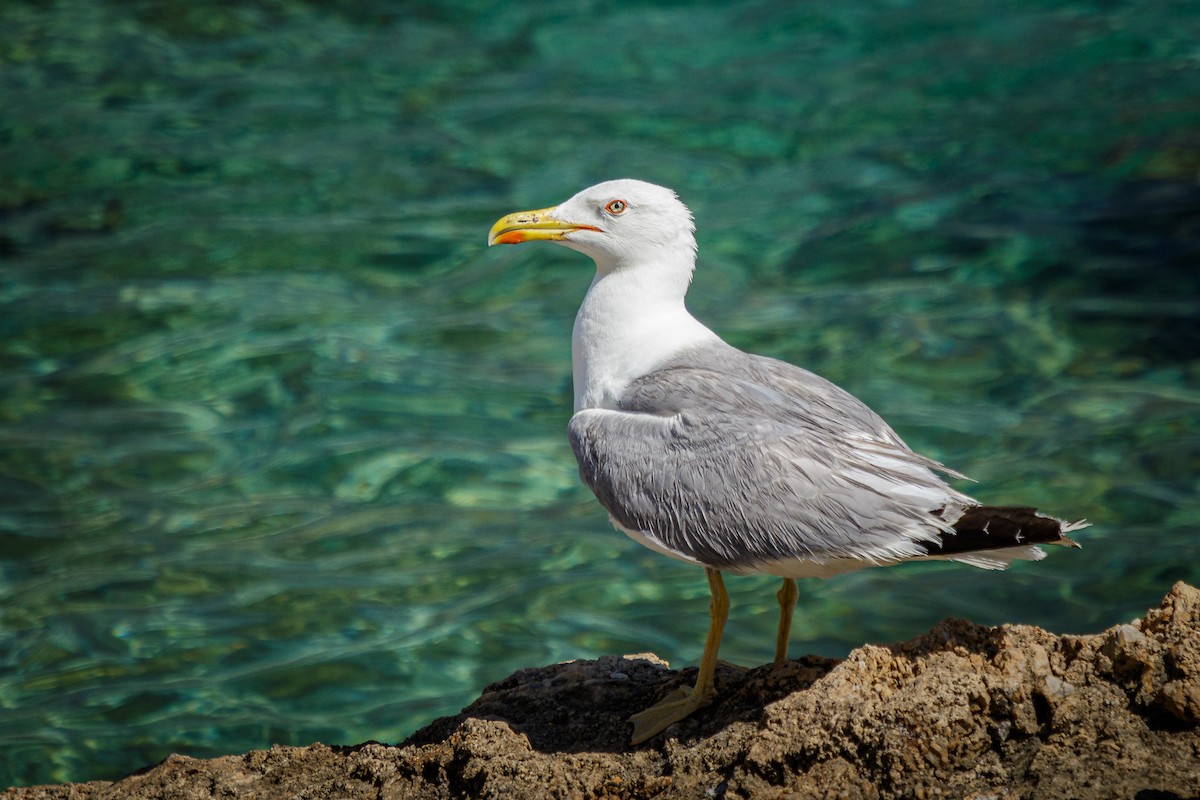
(964,711)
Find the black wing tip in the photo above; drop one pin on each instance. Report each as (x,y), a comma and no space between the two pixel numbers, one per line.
(1002,527)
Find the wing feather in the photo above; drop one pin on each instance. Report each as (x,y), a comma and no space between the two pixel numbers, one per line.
(746,461)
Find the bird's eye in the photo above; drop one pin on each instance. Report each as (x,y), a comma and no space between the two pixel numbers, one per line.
(616,207)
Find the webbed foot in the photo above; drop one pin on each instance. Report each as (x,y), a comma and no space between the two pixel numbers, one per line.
(679,704)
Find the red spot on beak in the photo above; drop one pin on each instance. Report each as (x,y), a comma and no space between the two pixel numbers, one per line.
(510,237)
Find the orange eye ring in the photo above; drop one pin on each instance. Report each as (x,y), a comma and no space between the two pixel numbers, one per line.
(616,207)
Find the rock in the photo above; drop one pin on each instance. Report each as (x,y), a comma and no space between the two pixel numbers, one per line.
(964,711)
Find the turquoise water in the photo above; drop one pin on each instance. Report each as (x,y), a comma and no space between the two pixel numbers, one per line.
(282,451)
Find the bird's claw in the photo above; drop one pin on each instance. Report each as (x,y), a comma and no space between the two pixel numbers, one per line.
(678,705)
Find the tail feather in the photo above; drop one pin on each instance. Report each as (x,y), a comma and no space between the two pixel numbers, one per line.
(998,527)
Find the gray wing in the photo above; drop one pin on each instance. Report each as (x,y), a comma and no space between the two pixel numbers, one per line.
(736,461)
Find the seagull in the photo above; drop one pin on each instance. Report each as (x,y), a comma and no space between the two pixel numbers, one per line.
(736,462)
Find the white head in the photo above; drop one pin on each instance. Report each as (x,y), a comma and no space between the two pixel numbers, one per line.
(633,317)
(621,224)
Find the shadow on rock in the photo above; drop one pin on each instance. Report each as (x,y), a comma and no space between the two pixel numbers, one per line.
(584,706)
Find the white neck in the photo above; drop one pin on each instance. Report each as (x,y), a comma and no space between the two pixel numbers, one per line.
(631,321)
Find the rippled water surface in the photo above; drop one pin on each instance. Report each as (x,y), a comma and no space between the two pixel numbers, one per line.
(282,451)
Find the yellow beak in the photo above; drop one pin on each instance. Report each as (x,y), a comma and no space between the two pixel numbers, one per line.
(530,226)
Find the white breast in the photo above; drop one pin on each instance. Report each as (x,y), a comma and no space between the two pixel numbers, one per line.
(624,330)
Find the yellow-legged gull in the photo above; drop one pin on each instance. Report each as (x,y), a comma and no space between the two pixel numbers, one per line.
(731,461)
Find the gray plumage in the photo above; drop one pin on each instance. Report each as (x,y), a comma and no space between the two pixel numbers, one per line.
(745,463)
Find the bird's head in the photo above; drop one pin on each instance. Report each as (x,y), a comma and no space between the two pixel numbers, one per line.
(620,224)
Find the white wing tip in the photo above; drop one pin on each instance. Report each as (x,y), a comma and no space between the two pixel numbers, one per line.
(998,559)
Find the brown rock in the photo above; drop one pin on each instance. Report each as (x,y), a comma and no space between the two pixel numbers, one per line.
(964,711)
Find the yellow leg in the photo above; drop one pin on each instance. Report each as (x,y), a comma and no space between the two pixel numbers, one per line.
(680,703)
(787,604)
